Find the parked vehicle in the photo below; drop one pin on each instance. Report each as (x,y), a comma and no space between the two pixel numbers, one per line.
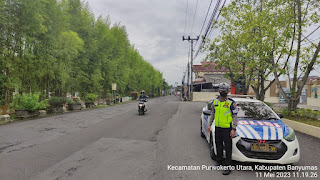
(261,136)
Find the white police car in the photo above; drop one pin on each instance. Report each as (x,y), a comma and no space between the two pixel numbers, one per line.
(261,136)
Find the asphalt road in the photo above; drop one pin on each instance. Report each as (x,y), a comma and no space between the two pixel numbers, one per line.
(117,143)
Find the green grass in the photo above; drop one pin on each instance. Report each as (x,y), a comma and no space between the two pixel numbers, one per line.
(305,116)
(5,122)
(101,106)
(304,120)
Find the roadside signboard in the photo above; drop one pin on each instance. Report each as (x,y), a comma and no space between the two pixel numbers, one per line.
(114,86)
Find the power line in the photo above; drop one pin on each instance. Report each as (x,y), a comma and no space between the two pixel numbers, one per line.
(211,19)
(185,19)
(204,22)
(310,41)
(208,26)
(311,33)
(194,16)
(217,17)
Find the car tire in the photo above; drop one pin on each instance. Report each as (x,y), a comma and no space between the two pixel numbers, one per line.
(202,135)
(211,146)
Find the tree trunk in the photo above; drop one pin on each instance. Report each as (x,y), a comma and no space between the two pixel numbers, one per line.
(293,93)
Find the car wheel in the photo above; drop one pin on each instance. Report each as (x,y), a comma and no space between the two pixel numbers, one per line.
(211,146)
(202,135)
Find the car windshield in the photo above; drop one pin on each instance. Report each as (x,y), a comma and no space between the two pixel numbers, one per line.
(255,110)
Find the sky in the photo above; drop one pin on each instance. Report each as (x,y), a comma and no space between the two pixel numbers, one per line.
(156,27)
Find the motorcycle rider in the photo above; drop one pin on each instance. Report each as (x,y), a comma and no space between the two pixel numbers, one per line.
(224,112)
(143,98)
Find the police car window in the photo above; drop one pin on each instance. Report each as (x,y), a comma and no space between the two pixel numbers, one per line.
(209,105)
(255,111)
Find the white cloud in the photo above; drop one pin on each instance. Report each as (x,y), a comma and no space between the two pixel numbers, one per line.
(156,28)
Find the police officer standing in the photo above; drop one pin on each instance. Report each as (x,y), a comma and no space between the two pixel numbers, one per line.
(224,113)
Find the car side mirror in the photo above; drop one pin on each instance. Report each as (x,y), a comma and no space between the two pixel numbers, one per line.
(280,115)
(207,112)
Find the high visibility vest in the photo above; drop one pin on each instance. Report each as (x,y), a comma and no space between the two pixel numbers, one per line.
(223,114)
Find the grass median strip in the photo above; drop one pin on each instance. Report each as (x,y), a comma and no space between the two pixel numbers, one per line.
(305,116)
(304,120)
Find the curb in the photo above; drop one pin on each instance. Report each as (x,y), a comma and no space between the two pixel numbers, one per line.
(304,128)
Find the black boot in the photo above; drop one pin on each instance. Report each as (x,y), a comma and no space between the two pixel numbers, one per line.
(226,172)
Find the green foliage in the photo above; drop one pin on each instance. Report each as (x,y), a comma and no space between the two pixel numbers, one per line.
(284,111)
(90,98)
(109,95)
(258,38)
(43,104)
(269,104)
(28,101)
(307,113)
(57,101)
(59,47)
(303,113)
(101,106)
(70,101)
(74,100)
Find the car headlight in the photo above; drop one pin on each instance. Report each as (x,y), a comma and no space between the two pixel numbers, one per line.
(291,136)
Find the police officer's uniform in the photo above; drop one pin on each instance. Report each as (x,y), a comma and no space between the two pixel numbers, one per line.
(223,111)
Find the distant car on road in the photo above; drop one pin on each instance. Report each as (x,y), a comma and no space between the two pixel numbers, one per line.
(261,136)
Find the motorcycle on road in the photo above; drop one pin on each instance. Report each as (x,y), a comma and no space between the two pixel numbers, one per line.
(142,107)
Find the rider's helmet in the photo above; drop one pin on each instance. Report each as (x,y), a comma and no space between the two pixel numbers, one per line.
(142,92)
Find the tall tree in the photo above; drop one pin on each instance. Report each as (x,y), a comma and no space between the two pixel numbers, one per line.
(58,47)
(303,14)
(257,42)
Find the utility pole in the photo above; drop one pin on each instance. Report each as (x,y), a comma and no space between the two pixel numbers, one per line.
(190,89)
(188,81)
(183,85)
